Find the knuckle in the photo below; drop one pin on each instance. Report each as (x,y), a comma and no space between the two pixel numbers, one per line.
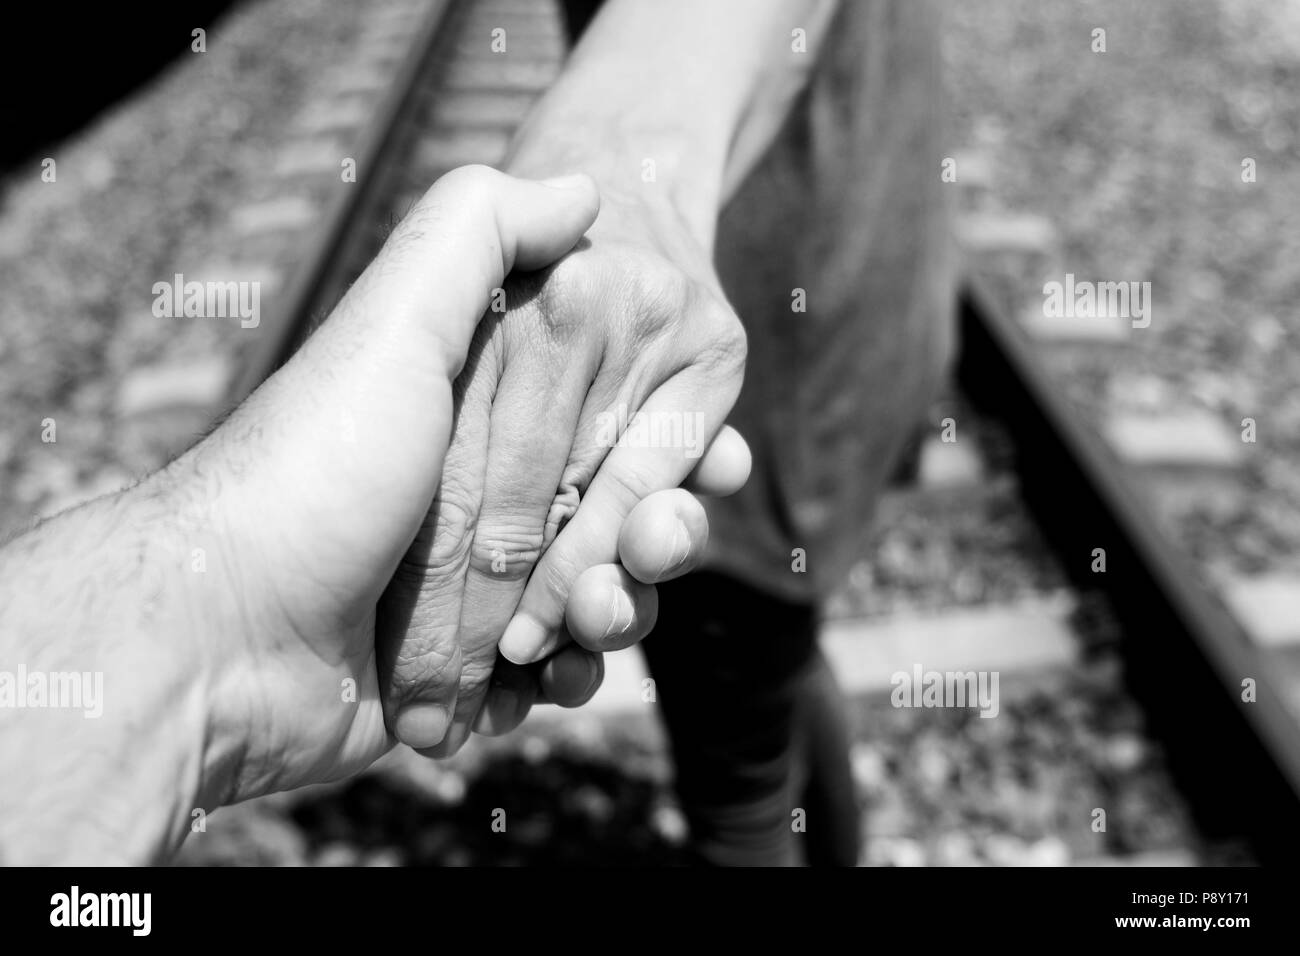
(463,190)
(648,291)
(660,292)
(727,345)
(447,540)
(473,183)
(464,197)
(506,550)
(555,299)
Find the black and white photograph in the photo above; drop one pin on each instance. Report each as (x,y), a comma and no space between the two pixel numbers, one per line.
(674,435)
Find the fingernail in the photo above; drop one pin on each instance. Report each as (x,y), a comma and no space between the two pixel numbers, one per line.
(679,549)
(525,640)
(421,725)
(571,181)
(621,613)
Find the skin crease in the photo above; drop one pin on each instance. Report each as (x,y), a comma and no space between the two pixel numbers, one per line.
(635,320)
(257,672)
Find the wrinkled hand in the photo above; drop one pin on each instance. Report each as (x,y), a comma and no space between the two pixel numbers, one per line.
(540,505)
(314,488)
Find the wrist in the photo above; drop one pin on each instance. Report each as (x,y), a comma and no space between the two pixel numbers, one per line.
(115,627)
(177,663)
(666,170)
(197,543)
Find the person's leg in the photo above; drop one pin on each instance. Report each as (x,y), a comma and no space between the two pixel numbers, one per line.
(824,780)
(845,212)
(728,662)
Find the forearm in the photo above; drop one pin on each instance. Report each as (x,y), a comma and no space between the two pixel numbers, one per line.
(672,101)
(111,741)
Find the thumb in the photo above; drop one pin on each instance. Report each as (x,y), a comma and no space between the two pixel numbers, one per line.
(465,236)
(436,275)
(358,422)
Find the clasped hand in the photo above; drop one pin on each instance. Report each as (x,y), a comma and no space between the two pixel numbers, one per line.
(428,478)
(425,480)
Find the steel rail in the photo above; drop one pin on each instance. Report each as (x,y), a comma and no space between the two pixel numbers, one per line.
(1238,762)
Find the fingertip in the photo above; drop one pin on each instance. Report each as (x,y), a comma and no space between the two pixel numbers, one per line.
(421,726)
(526,640)
(506,705)
(572,677)
(549,216)
(724,468)
(608,609)
(664,536)
(455,738)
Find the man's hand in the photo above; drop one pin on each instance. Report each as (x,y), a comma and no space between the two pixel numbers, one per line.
(229,600)
(629,333)
(331,466)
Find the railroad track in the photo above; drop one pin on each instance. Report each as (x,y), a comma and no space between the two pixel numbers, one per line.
(452,100)
(443,97)
(1186,654)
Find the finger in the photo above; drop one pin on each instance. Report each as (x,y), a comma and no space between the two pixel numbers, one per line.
(419,658)
(609,609)
(629,473)
(569,678)
(417,627)
(663,537)
(519,510)
(373,384)
(424,662)
(507,699)
(468,232)
(724,467)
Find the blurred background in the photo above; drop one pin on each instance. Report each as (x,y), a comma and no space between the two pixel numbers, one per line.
(1125,164)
